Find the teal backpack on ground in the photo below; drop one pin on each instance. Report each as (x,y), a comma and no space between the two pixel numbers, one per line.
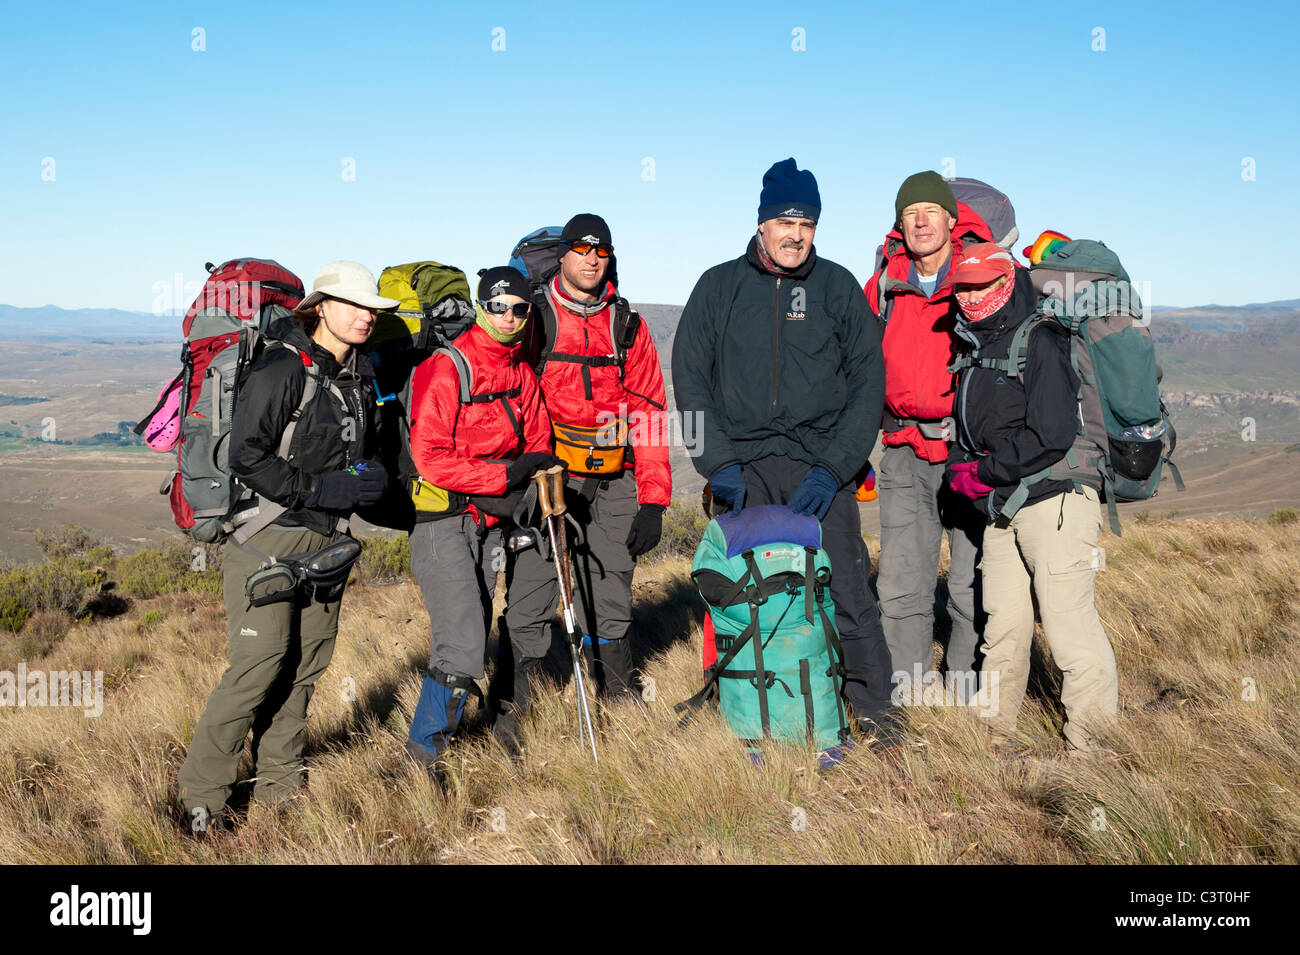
(1125,433)
(779,672)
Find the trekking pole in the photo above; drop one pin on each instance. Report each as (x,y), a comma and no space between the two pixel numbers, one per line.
(550,497)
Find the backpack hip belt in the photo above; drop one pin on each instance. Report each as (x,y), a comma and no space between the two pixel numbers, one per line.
(936,429)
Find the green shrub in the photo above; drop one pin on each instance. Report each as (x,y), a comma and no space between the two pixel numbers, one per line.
(68,541)
(55,585)
(58,585)
(13,612)
(101,555)
(1284,515)
(170,569)
(383,559)
(684,525)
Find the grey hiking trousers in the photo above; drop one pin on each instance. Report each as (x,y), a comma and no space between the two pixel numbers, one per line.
(455,562)
(915,512)
(602,578)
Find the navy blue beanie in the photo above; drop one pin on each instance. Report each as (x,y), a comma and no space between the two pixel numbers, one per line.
(787,191)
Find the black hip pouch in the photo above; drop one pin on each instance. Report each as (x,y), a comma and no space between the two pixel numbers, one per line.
(323,571)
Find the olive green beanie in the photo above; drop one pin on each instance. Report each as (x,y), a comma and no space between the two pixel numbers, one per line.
(925,186)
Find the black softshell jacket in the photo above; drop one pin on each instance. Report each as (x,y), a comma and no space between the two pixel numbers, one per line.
(1016,426)
(786,365)
(329,436)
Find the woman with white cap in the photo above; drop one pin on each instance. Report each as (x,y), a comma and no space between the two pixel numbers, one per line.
(312,384)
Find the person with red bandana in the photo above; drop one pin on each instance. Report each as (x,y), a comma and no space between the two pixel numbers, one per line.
(604,390)
(1010,427)
(482,453)
(912,296)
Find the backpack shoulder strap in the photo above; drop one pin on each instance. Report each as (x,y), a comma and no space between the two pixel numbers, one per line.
(885,302)
(1018,352)
(1013,366)
(464,373)
(624,323)
(542,305)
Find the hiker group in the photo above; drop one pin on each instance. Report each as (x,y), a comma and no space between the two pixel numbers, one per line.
(1013,402)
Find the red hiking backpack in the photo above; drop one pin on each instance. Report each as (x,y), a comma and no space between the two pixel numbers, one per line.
(224,331)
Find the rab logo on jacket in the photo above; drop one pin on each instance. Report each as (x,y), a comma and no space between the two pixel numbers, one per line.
(798,305)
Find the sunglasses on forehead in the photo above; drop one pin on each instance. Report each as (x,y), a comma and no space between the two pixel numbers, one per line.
(582,248)
(520,309)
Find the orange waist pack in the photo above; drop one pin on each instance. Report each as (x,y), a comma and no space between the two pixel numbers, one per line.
(592,451)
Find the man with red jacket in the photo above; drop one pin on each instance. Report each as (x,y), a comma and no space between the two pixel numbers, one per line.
(480,454)
(912,296)
(598,368)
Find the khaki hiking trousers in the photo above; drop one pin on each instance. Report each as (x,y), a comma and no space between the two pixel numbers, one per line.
(277,653)
(1052,547)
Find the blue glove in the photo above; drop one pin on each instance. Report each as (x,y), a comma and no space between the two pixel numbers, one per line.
(815,493)
(728,486)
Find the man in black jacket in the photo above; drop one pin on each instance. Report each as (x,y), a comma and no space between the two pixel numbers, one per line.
(778,360)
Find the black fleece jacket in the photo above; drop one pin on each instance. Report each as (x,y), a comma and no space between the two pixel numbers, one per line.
(328,437)
(1015,427)
(787,365)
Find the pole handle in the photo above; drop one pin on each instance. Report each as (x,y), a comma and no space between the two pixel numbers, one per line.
(547,491)
(555,476)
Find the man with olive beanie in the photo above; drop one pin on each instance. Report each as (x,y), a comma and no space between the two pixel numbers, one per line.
(911,296)
(777,359)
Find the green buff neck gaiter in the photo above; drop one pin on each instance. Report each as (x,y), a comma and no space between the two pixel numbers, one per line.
(485,323)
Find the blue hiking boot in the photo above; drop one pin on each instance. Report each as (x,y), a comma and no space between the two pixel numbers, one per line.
(437,715)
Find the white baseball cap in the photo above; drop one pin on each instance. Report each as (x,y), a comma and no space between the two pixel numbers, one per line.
(349,281)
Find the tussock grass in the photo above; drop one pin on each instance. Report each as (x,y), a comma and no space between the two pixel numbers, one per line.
(1204,762)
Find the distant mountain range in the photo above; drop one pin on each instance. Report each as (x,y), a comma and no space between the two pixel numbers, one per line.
(1217,319)
(49,323)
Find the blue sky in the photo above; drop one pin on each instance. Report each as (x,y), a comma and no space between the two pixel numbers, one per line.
(165,157)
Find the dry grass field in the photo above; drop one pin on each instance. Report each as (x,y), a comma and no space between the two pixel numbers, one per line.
(1204,617)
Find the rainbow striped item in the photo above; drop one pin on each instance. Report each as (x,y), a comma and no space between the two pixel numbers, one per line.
(1044,245)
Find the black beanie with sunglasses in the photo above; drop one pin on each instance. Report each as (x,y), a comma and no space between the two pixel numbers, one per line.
(502,280)
(587,227)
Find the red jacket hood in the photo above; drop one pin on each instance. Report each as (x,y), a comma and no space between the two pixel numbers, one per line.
(488,349)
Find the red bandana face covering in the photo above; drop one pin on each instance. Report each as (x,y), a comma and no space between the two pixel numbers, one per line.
(991,302)
(767,262)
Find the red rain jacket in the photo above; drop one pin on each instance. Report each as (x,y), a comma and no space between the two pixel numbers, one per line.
(918,339)
(451,443)
(639,396)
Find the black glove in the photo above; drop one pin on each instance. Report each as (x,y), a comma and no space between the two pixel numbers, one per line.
(815,493)
(374,479)
(336,491)
(362,484)
(521,470)
(647,528)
